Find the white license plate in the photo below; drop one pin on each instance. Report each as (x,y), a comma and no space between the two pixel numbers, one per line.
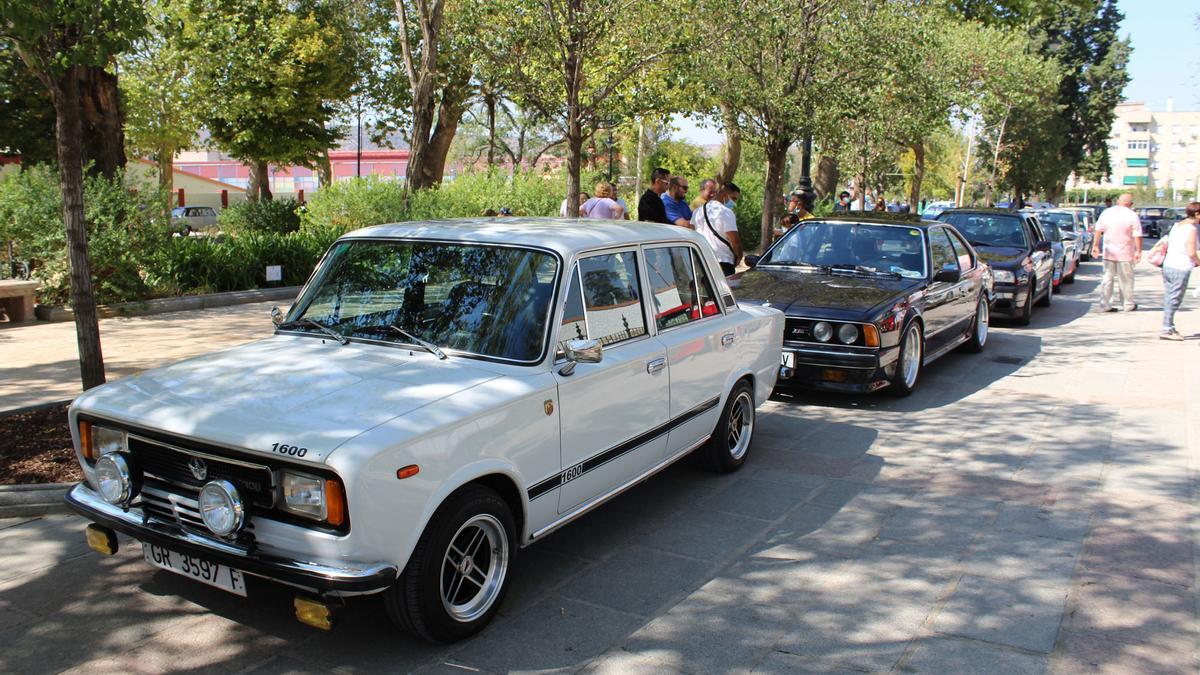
(204,571)
(789,359)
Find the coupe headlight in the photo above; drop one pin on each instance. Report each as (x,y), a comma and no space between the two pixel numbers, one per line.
(312,497)
(847,333)
(114,478)
(1003,277)
(221,507)
(822,331)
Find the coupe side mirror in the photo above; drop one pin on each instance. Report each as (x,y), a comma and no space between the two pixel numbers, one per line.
(276,316)
(949,274)
(752,260)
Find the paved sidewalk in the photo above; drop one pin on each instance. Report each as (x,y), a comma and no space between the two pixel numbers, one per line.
(1031,509)
(39,362)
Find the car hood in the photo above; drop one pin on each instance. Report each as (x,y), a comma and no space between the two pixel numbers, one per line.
(298,391)
(837,296)
(1003,257)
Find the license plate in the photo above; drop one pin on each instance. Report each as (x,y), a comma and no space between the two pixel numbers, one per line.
(789,359)
(204,571)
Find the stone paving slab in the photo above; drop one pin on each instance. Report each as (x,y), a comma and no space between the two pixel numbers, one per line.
(1025,510)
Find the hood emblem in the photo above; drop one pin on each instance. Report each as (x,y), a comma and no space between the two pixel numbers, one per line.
(198,468)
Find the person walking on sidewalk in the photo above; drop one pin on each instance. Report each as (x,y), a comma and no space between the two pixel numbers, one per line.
(1177,267)
(1119,236)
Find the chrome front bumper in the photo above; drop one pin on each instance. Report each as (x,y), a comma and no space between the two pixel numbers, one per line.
(345,578)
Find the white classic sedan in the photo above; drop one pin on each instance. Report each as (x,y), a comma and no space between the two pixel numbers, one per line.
(440,395)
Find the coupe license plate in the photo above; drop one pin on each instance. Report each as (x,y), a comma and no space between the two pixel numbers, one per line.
(789,359)
(204,571)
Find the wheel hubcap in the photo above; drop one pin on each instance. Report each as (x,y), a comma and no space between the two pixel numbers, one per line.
(912,356)
(741,425)
(474,568)
(981,323)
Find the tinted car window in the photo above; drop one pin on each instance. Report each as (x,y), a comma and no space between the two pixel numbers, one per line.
(1051,230)
(966,258)
(886,248)
(986,229)
(612,297)
(942,250)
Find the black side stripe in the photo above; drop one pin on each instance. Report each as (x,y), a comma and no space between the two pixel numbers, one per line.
(596,461)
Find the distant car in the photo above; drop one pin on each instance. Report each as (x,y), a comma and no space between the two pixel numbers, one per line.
(932,209)
(1070,223)
(1096,210)
(869,300)
(1085,227)
(1155,220)
(1066,251)
(1021,257)
(199,219)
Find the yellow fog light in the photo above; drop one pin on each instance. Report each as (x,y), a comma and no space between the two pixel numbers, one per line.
(313,613)
(101,539)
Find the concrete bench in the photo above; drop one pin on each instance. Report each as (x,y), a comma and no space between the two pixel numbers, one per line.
(16,297)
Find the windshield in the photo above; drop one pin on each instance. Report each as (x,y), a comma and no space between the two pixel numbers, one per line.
(883,248)
(986,229)
(1051,230)
(1151,213)
(483,300)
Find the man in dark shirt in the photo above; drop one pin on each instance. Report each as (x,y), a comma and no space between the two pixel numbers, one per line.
(650,206)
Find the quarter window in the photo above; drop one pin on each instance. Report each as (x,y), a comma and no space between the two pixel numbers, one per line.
(574,324)
(612,297)
(966,260)
(673,282)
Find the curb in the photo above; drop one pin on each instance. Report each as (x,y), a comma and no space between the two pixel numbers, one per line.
(179,304)
(33,500)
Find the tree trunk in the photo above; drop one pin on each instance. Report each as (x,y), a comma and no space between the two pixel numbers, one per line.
(103,134)
(777,148)
(574,157)
(827,176)
(450,113)
(166,180)
(987,198)
(324,170)
(732,154)
(260,182)
(914,198)
(69,127)
(423,78)
(490,101)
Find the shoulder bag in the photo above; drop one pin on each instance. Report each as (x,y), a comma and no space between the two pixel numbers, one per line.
(1158,254)
(718,234)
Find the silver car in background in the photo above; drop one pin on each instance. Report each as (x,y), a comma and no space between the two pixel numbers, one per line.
(187,220)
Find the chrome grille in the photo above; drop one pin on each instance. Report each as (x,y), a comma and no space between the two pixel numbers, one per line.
(171,503)
(170,465)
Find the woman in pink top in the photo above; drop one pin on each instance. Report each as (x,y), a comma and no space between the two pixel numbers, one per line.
(602,206)
(1177,267)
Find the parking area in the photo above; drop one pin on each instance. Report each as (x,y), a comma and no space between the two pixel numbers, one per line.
(1029,509)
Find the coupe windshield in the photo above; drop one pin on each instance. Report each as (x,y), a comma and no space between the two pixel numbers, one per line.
(482,300)
(893,249)
(986,229)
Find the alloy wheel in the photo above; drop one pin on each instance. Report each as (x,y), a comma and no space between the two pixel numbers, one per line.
(474,568)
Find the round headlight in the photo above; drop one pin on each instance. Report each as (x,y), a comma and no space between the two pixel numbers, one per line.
(847,333)
(114,478)
(221,507)
(822,331)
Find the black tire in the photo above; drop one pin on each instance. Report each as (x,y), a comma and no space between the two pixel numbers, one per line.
(901,385)
(1026,314)
(726,451)
(1071,279)
(978,339)
(415,602)
(1048,297)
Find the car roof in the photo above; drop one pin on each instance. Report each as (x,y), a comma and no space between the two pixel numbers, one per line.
(876,218)
(983,210)
(563,235)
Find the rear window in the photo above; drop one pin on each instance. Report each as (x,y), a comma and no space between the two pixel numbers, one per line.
(987,229)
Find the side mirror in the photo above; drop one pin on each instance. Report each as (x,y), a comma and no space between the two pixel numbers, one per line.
(1069,237)
(1043,246)
(949,274)
(276,316)
(584,351)
(752,260)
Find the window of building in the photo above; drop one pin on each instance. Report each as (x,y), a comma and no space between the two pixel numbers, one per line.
(1137,145)
(1176,129)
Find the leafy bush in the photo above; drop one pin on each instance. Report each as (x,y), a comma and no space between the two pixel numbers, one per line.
(279,216)
(211,265)
(350,204)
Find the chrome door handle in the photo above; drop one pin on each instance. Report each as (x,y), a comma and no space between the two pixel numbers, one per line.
(655,365)
(727,339)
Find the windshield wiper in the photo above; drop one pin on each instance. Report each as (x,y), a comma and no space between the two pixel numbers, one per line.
(425,344)
(800,263)
(847,267)
(319,326)
(980,243)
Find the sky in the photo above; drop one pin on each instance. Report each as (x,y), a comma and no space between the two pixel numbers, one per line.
(1165,61)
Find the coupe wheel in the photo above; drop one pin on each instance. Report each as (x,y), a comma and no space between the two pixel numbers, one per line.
(908,366)
(1048,297)
(458,573)
(729,445)
(979,328)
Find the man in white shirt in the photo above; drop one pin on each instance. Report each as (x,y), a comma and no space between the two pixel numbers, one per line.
(716,221)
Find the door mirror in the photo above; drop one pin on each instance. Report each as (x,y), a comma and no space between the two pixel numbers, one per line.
(949,274)
(1043,246)
(752,260)
(1067,236)
(276,316)
(584,351)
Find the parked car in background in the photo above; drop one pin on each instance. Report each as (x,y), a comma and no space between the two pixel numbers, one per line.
(870,300)
(1066,250)
(932,209)
(1021,258)
(1085,229)
(199,219)
(1156,220)
(440,395)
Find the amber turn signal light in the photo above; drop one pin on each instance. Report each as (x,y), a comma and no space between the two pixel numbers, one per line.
(871,335)
(408,471)
(335,503)
(85,440)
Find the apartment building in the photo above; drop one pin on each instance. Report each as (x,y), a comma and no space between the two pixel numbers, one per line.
(1155,149)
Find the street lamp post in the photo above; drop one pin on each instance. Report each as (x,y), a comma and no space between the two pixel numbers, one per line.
(806,184)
